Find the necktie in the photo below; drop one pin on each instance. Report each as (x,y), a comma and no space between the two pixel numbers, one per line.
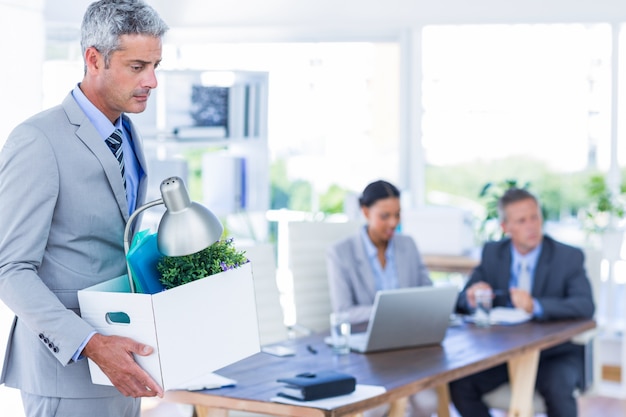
(523,279)
(115,144)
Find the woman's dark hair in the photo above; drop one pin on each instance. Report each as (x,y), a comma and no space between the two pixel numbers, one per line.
(377,190)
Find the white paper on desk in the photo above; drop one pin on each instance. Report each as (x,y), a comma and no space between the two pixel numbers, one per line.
(505,316)
(508,315)
(361,392)
(208,381)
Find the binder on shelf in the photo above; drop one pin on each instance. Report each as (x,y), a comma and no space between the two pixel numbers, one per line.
(314,386)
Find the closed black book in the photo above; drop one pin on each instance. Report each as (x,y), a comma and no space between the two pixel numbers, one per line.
(315,386)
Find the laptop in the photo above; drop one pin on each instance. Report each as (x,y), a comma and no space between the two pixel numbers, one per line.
(407,317)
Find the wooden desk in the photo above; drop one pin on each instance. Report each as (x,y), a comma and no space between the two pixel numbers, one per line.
(446,263)
(467,349)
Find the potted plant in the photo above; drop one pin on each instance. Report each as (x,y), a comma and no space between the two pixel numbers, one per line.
(605,209)
(219,257)
(603,216)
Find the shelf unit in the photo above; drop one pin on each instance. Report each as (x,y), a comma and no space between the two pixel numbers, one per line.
(609,288)
(221,114)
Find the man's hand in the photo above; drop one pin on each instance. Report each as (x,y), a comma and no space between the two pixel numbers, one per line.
(471,292)
(522,299)
(114,355)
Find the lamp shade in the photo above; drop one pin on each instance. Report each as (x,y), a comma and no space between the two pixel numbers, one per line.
(186,227)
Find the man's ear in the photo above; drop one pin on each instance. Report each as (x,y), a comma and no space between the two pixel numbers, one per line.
(93,59)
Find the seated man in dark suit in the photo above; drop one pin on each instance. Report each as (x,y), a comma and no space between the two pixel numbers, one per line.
(553,285)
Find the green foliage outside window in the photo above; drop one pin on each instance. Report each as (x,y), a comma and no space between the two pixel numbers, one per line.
(604,206)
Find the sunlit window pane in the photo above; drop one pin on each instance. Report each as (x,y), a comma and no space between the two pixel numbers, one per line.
(538,91)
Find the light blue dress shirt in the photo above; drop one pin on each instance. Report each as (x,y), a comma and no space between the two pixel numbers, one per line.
(531,260)
(385,278)
(105,128)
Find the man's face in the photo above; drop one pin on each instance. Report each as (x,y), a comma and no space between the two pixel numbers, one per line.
(124,86)
(523,225)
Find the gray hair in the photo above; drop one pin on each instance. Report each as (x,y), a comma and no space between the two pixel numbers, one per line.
(106,20)
(510,196)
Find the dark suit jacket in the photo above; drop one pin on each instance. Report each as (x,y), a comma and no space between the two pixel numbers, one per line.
(560,284)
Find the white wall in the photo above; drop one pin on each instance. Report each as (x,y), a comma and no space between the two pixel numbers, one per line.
(22,50)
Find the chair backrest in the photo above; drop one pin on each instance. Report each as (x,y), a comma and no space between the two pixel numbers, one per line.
(593,266)
(593,361)
(272,328)
(308,242)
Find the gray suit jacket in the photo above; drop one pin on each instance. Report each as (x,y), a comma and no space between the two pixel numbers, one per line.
(63,211)
(560,284)
(351,279)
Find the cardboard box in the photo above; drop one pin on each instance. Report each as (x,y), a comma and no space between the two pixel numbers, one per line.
(195,328)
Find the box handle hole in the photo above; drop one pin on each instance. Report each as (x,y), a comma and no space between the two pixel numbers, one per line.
(117,318)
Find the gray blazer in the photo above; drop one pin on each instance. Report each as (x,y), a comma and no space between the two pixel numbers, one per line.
(63,211)
(351,279)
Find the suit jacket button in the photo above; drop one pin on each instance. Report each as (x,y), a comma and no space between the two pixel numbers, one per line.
(55,349)
(50,345)
(45,340)
(41,336)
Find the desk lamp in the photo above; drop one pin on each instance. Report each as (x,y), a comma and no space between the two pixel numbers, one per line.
(185,228)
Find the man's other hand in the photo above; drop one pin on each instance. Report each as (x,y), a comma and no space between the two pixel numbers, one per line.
(522,299)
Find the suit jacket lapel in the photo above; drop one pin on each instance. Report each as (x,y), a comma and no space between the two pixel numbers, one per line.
(542,268)
(362,264)
(401,267)
(86,132)
(503,268)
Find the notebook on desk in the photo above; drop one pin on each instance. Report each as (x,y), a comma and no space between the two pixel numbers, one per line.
(407,317)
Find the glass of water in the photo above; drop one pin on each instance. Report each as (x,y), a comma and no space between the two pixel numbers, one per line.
(484,300)
(340,332)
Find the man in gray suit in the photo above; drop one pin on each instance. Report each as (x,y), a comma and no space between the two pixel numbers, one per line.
(552,285)
(66,198)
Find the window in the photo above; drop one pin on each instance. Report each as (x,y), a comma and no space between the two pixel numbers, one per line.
(530,102)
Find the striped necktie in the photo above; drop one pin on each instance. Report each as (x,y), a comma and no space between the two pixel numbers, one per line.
(523,278)
(115,144)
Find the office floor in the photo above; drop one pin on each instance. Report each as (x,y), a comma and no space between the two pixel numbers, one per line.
(589,406)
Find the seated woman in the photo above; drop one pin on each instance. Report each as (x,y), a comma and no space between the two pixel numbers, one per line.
(377,258)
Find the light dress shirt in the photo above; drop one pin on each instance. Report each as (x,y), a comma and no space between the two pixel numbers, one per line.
(531,259)
(385,278)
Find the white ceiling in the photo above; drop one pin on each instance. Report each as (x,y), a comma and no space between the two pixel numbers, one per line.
(246,19)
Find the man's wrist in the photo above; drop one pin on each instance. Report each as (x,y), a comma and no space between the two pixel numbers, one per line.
(78,355)
(537,310)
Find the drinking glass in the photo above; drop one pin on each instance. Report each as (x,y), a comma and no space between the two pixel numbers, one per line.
(340,332)
(484,300)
